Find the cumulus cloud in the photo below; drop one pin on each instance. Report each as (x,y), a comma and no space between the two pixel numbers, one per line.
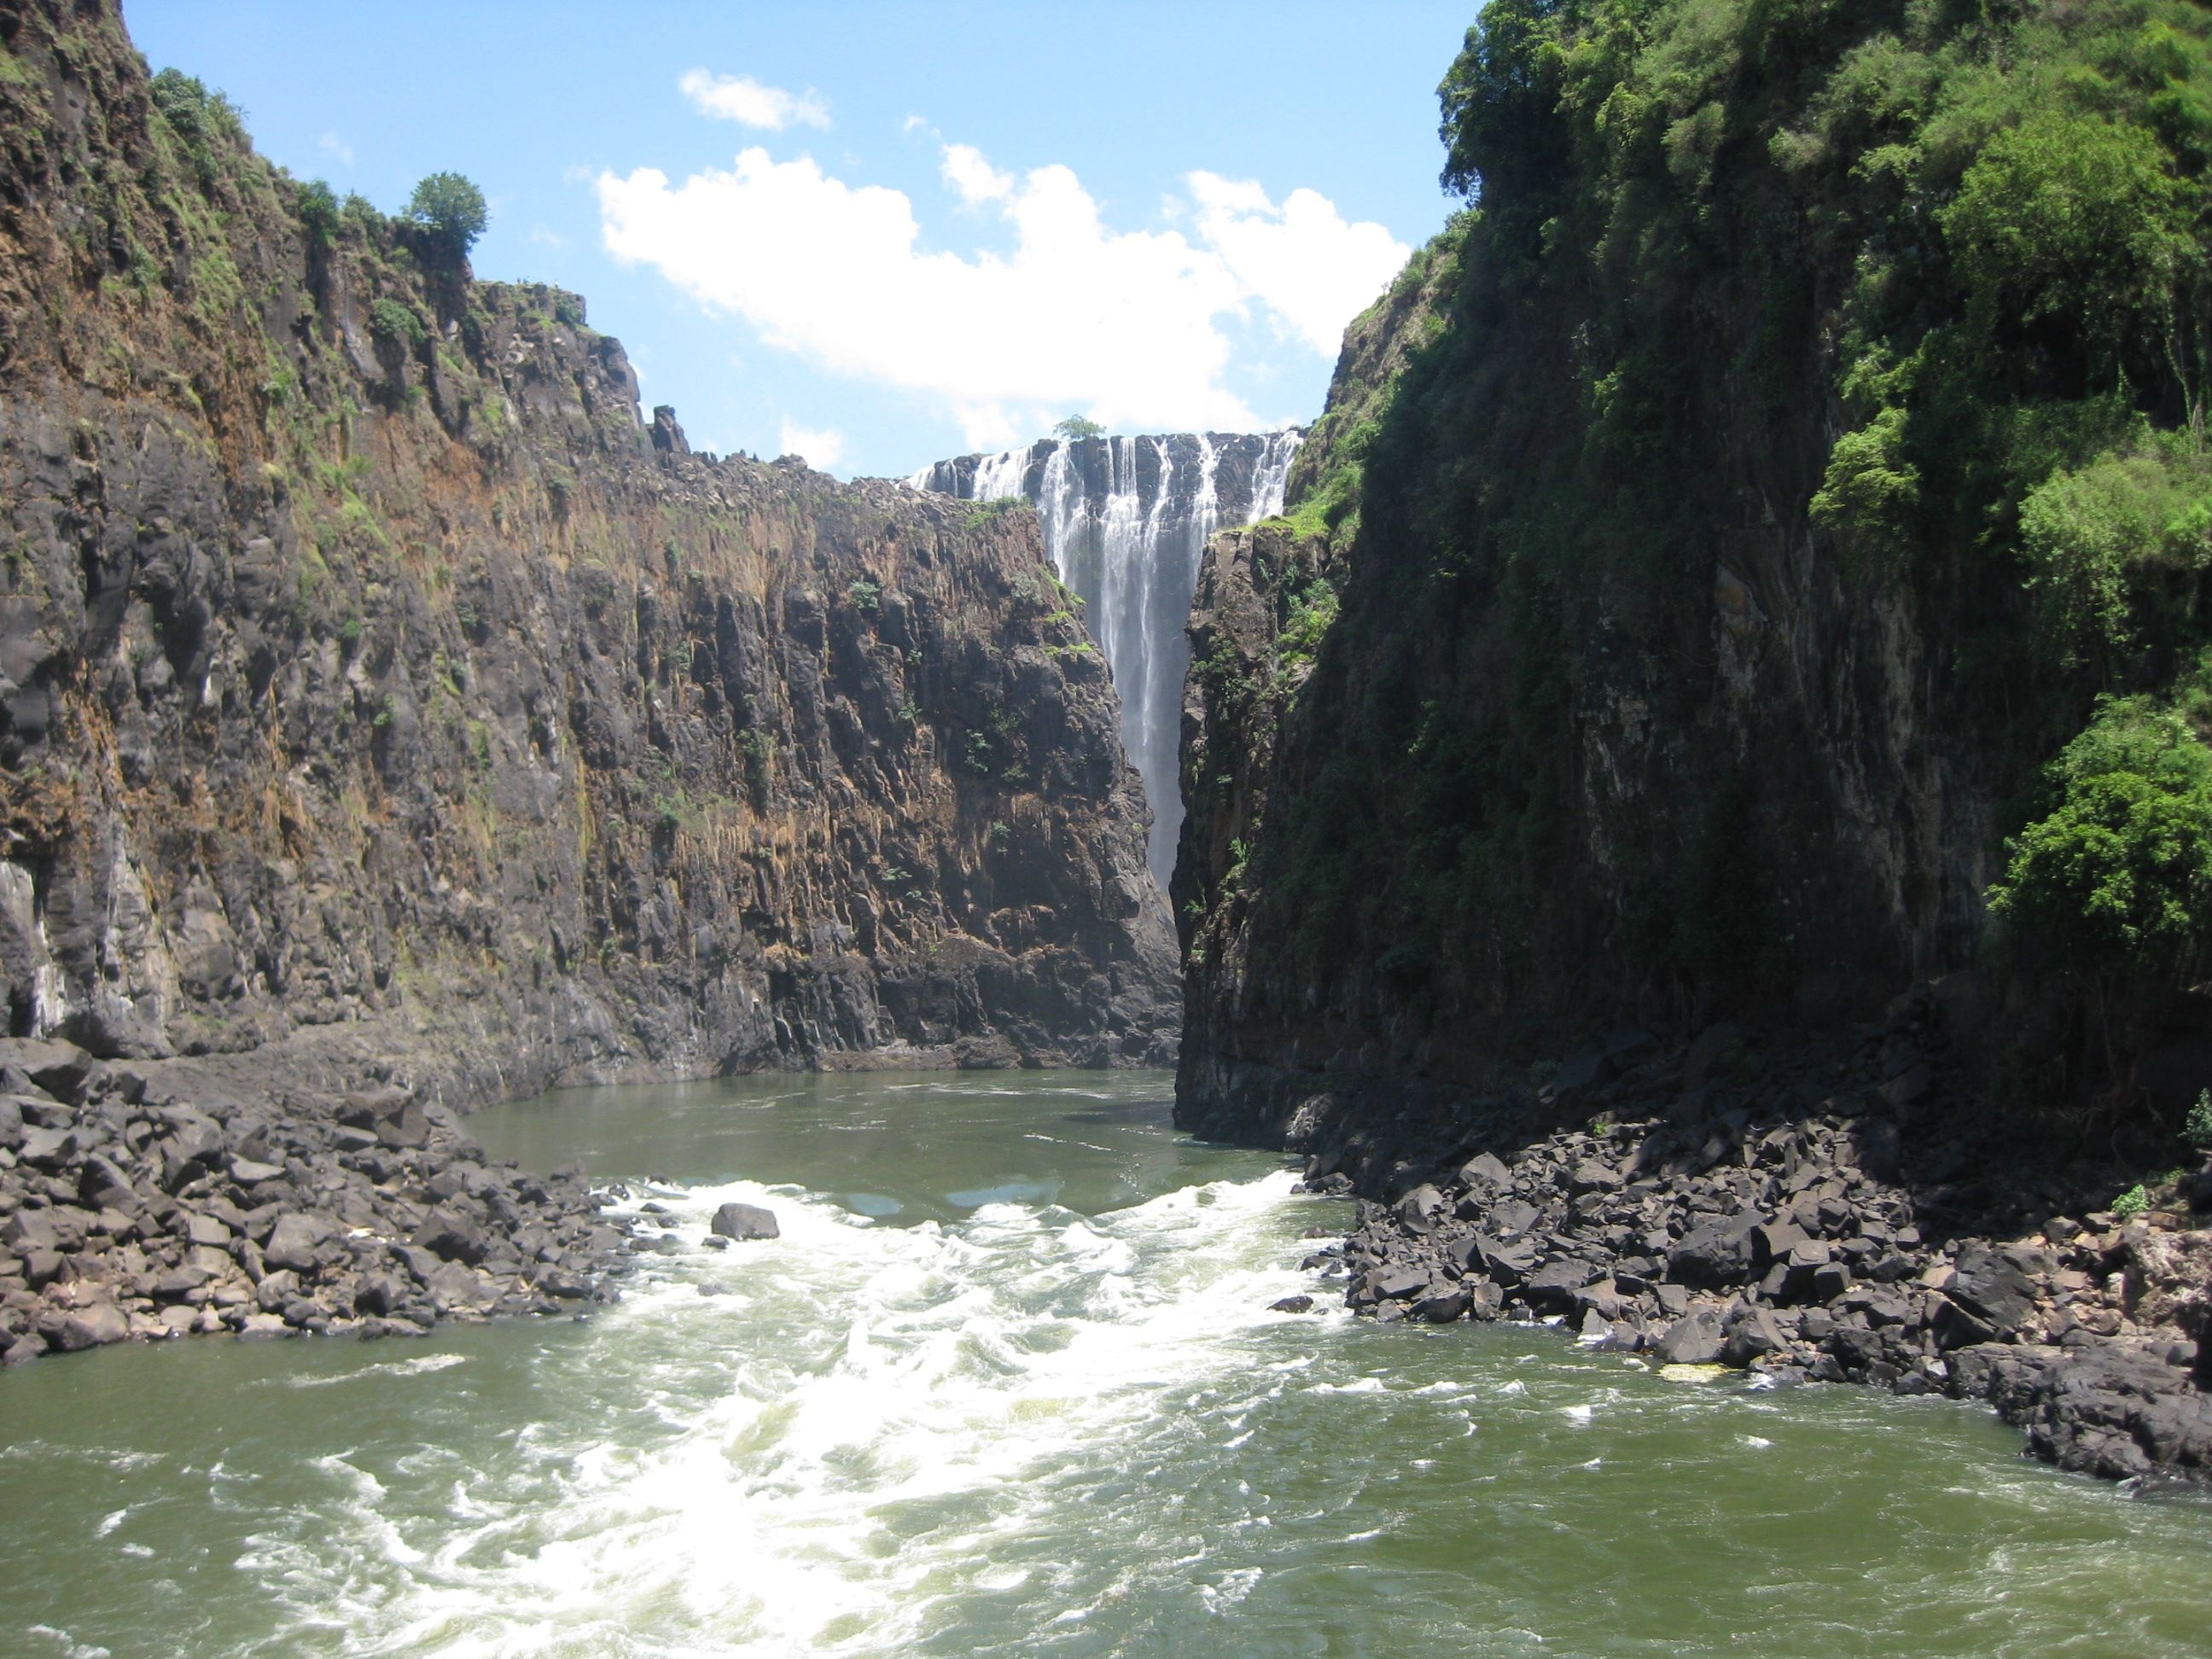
(822,448)
(741,99)
(1126,326)
(1313,270)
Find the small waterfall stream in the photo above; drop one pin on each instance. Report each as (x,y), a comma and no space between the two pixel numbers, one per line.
(1126,522)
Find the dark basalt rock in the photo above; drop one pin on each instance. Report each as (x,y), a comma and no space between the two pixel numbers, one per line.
(1776,1250)
(745,1221)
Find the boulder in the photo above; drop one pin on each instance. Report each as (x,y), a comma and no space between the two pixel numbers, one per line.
(296,1242)
(1417,1210)
(94,1326)
(1292,1304)
(1752,1336)
(1721,1252)
(1693,1339)
(1552,1287)
(453,1236)
(745,1221)
(1442,1306)
(1991,1287)
(1485,1172)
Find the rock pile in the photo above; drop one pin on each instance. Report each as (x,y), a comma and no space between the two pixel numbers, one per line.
(133,1208)
(1812,1215)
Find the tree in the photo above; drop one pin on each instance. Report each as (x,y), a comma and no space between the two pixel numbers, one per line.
(451,209)
(1075,428)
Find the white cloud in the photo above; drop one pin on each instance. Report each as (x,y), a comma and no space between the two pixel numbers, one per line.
(1301,260)
(546,236)
(1123,325)
(976,180)
(330,144)
(821,449)
(741,99)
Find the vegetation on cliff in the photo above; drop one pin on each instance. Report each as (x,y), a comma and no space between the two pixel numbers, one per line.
(1811,432)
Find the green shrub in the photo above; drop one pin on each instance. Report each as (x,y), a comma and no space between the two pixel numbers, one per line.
(2196,1129)
(2133,1201)
(865,595)
(2103,539)
(2117,877)
(396,324)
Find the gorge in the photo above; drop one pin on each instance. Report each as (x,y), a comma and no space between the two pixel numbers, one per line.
(1330,1039)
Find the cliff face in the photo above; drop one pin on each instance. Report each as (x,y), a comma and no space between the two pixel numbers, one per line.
(1695,526)
(380,693)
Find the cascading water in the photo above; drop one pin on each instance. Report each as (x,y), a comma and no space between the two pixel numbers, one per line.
(1126,522)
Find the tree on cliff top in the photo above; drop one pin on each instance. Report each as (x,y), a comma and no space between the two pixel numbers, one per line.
(1076,427)
(451,209)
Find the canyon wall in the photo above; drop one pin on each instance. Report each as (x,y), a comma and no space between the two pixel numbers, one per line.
(1743,570)
(379,695)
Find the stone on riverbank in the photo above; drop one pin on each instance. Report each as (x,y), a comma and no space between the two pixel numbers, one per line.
(1797,1220)
(158,1208)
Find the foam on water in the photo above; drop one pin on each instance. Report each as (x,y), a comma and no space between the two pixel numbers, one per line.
(924,1392)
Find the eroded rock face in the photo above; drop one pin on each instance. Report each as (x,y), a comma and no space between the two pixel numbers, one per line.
(378,694)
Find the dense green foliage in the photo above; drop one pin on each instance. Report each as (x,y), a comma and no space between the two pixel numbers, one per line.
(1076,427)
(2116,877)
(1922,285)
(451,209)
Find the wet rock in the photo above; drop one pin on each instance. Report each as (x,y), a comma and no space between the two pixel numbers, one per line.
(1442,1308)
(1292,1304)
(745,1221)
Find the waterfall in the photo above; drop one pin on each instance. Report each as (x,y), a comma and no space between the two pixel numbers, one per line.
(1125,521)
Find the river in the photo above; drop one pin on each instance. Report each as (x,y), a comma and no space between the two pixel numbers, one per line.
(1008,1384)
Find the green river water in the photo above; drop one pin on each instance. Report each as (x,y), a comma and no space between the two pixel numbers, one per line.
(1008,1384)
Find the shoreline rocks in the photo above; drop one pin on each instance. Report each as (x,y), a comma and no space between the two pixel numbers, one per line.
(1821,1213)
(135,1207)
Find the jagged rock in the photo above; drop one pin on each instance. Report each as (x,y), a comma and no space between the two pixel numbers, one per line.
(1991,1286)
(297,1242)
(1722,1252)
(1485,1173)
(453,1236)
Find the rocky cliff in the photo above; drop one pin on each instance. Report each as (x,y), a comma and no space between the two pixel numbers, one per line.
(1700,596)
(379,695)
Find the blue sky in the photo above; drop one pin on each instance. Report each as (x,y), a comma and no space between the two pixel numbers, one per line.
(879,234)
